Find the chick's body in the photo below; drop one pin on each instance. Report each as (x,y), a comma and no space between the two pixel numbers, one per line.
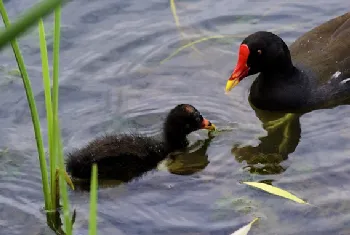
(125,156)
(121,157)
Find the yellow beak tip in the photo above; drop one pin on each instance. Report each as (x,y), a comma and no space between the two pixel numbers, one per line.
(230,84)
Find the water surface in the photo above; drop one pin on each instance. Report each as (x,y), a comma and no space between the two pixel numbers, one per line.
(112,79)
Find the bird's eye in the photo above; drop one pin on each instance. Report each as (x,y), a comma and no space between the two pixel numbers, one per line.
(259,52)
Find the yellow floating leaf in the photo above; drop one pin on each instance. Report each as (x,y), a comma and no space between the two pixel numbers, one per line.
(245,229)
(276,191)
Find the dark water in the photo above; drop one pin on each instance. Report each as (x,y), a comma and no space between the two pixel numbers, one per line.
(112,80)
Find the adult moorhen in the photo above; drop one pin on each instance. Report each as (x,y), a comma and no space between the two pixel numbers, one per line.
(313,73)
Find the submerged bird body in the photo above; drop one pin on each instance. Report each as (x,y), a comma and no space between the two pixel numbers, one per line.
(314,72)
(124,157)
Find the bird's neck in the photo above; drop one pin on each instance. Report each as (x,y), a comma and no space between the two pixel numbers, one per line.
(280,91)
(174,142)
(283,68)
(278,77)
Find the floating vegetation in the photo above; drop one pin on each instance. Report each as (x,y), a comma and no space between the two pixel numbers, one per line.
(276,191)
(245,229)
(177,22)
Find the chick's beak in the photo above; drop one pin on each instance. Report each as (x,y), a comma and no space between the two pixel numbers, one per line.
(208,125)
(241,70)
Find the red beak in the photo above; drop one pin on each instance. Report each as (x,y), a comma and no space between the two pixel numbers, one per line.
(241,70)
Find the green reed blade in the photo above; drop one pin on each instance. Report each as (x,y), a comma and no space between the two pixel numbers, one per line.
(63,185)
(57,144)
(56,58)
(47,92)
(93,202)
(31,101)
(56,53)
(29,18)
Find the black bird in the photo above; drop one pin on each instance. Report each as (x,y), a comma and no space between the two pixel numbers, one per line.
(313,73)
(123,157)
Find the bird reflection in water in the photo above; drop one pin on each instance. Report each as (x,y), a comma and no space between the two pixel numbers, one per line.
(190,161)
(283,136)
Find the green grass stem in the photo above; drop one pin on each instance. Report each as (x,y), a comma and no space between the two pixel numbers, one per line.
(63,185)
(48,102)
(56,58)
(93,202)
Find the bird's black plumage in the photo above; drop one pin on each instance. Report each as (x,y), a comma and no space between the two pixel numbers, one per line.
(314,72)
(126,156)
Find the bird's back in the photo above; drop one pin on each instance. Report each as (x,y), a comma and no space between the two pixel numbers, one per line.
(325,50)
(120,157)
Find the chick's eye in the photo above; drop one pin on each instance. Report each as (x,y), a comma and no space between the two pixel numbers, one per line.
(259,52)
